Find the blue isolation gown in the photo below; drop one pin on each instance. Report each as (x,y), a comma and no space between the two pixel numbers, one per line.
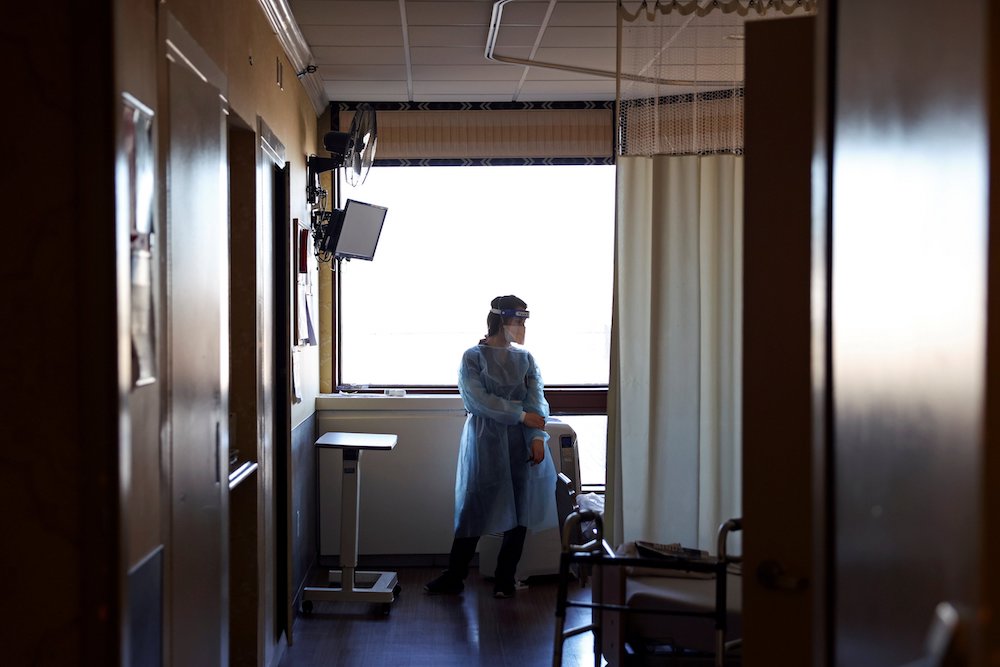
(496,486)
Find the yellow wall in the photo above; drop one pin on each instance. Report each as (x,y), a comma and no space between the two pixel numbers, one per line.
(237,36)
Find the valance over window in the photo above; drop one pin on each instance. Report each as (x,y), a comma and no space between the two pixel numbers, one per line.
(424,133)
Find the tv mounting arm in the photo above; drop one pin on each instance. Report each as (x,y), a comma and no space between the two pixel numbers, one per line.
(315,166)
(338,144)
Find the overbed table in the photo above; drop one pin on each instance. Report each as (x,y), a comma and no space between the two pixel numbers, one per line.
(347,584)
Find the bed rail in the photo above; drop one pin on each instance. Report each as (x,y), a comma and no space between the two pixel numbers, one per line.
(596,552)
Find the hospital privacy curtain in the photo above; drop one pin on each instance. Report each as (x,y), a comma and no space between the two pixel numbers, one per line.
(674,395)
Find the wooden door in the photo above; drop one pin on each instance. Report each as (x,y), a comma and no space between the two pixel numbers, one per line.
(274,410)
(281,228)
(910,223)
(246,540)
(197,316)
(778,454)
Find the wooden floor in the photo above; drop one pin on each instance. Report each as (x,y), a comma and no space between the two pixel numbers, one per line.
(422,630)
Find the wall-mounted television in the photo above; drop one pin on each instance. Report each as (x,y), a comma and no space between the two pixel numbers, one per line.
(353,231)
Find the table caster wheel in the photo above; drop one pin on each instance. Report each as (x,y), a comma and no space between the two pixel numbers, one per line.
(386,607)
(307,606)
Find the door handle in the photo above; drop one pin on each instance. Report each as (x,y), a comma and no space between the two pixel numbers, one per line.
(218,452)
(772,576)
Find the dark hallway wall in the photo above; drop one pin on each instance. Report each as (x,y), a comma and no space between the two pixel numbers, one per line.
(80,462)
(304,528)
(59,460)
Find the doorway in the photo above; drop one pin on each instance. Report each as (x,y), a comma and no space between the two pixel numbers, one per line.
(246,542)
(274,381)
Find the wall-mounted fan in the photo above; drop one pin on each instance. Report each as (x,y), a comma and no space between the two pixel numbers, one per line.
(354,150)
(364,137)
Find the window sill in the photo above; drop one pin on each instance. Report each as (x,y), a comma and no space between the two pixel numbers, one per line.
(563,400)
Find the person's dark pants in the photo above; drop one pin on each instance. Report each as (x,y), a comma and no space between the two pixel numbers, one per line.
(464,548)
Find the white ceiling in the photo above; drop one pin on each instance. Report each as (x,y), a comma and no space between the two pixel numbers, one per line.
(434,50)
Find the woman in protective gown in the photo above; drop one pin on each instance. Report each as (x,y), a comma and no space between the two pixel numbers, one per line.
(506,478)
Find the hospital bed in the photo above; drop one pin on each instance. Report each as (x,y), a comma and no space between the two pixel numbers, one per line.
(690,617)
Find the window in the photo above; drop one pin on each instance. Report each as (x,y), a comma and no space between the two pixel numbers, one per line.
(591,445)
(454,238)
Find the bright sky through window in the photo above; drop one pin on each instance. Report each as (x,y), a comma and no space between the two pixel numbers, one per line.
(454,238)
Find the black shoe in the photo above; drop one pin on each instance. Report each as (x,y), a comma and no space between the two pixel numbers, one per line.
(503,590)
(446,584)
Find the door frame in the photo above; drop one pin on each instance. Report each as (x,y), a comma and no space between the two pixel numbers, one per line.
(274,407)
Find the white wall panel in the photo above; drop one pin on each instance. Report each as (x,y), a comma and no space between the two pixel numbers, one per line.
(407,495)
(407,501)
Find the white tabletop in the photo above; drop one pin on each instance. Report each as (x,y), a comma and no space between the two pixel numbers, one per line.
(340,440)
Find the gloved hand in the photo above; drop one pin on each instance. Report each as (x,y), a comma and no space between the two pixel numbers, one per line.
(537,451)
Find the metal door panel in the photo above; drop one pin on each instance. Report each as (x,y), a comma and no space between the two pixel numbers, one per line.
(909,202)
(196,211)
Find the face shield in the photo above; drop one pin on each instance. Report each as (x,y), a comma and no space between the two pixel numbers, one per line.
(513,328)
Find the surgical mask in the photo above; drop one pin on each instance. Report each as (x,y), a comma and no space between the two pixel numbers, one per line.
(514,333)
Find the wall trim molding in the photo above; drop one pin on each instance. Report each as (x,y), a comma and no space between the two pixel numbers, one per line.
(286,29)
